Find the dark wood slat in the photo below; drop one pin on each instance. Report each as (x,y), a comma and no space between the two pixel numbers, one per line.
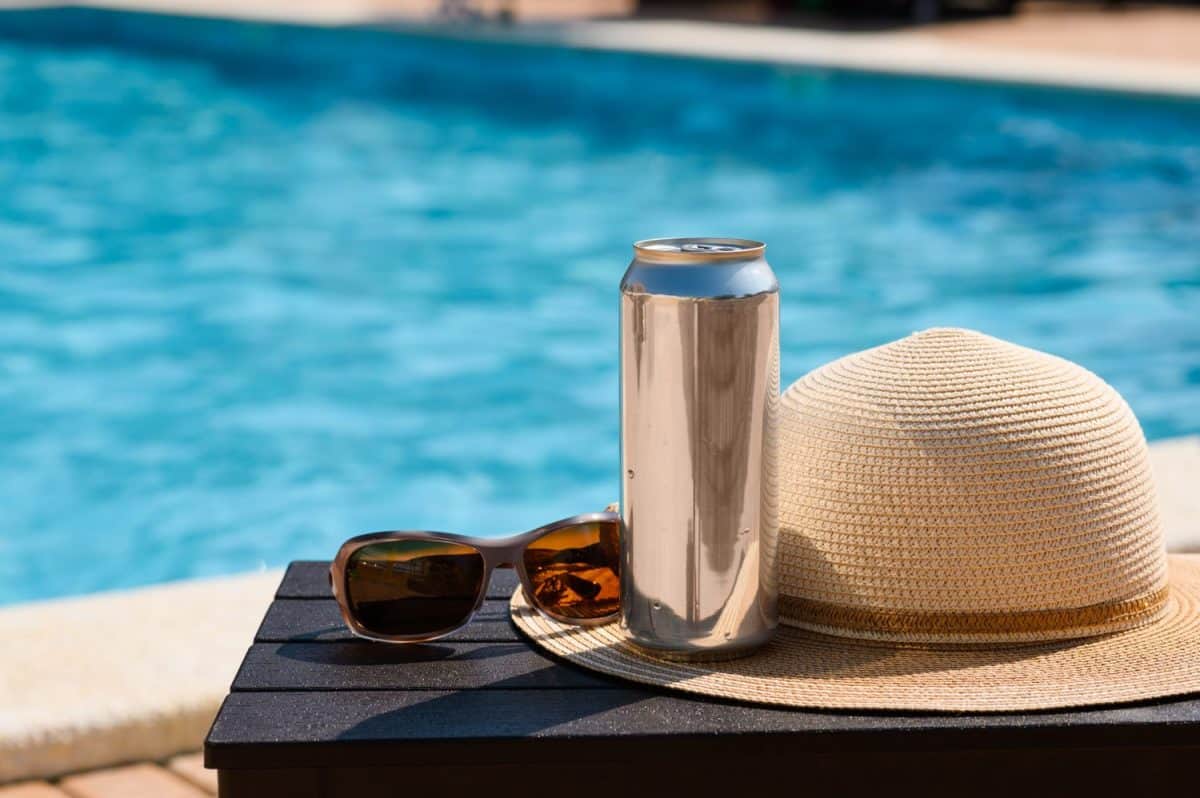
(629,724)
(318,713)
(439,665)
(745,772)
(309,579)
(305,579)
(294,620)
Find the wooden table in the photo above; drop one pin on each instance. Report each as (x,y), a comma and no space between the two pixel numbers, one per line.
(316,712)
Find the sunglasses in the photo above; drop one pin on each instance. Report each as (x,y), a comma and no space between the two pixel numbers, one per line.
(409,587)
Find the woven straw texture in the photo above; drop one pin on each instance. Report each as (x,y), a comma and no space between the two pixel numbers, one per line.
(952,487)
(965,525)
(799,668)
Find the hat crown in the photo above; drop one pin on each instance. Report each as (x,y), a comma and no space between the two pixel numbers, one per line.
(953,487)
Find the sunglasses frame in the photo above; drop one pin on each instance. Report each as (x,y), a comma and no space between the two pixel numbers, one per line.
(502,552)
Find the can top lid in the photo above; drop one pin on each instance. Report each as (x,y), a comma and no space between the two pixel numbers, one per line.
(698,249)
(699,268)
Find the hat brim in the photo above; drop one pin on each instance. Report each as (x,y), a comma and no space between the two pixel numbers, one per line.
(807,669)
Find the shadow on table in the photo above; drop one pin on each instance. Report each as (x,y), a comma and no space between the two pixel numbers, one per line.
(496,711)
(334,631)
(378,654)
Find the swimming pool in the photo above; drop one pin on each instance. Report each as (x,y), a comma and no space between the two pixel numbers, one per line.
(266,287)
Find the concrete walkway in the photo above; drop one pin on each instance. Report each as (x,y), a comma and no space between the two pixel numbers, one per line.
(1133,32)
(1176,465)
(907,52)
(125,676)
(180,777)
(1140,49)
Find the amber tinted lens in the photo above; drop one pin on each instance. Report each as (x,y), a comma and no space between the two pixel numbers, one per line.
(574,570)
(413,587)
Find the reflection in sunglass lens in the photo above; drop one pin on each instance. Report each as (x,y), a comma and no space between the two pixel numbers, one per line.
(413,587)
(574,570)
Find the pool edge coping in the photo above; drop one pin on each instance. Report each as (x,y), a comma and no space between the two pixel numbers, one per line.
(902,54)
(910,52)
(121,676)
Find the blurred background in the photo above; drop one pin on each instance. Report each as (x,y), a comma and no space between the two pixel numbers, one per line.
(276,273)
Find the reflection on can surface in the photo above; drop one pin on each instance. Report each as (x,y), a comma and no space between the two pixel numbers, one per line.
(699,399)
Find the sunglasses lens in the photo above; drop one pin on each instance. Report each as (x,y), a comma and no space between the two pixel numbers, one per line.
(413,587)
(574,570)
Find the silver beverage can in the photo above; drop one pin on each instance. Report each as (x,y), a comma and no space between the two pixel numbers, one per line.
(699,403)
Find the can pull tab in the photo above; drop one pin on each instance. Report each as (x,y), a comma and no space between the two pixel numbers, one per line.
(708,248)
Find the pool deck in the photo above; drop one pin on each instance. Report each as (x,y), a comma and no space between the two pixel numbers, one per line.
(1135,48)
(125,676)
(182,776)
(137,676)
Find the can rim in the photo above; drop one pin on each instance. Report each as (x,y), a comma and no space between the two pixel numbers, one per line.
(670,249)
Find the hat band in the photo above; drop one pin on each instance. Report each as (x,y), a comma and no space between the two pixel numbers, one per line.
(1028,624)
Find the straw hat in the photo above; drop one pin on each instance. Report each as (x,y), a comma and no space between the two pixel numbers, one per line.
(966,525)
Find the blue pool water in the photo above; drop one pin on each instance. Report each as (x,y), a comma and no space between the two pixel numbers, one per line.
(262,288)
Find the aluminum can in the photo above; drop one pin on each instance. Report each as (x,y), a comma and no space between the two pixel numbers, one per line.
(699,407)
